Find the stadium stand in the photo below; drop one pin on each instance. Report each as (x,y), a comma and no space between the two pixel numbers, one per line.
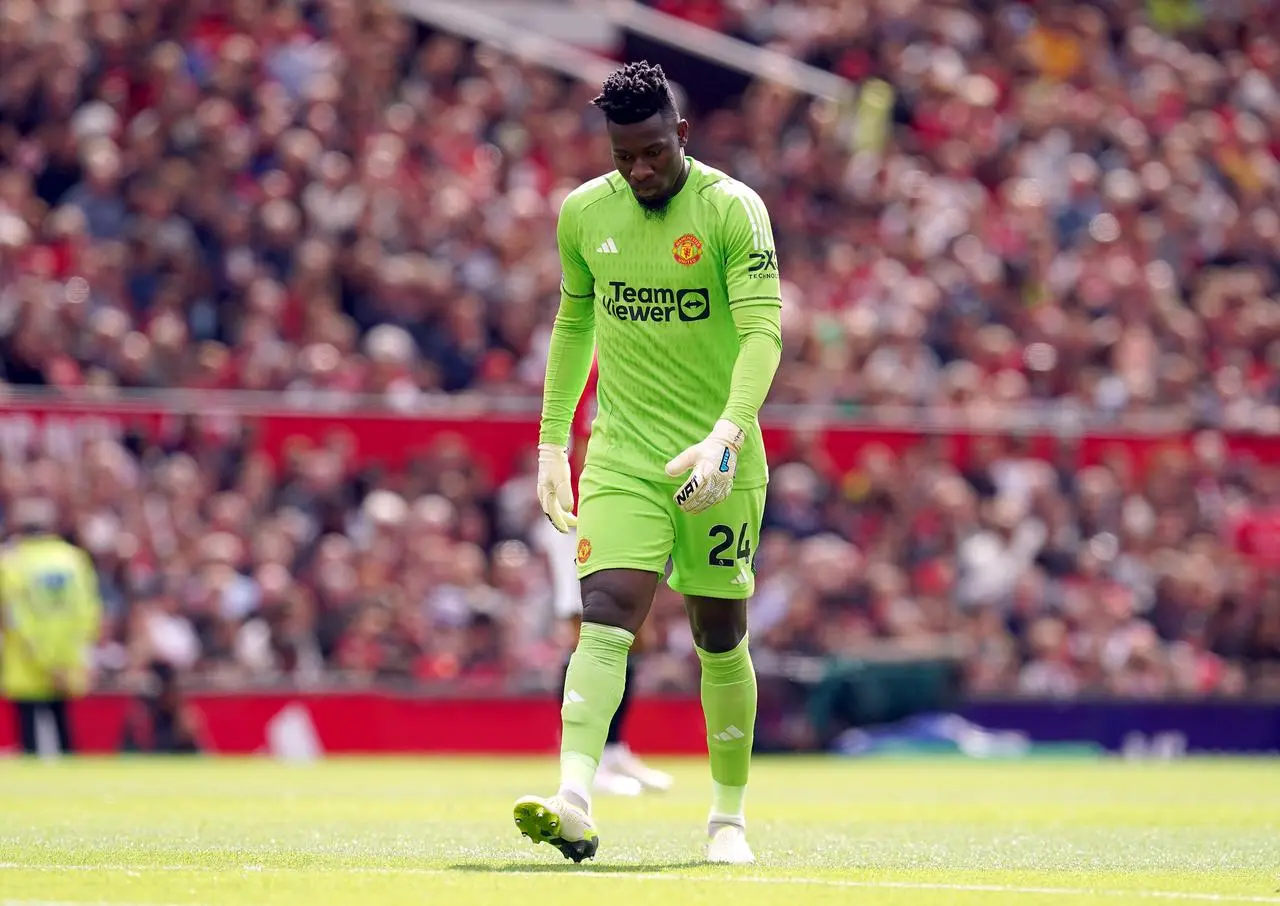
(1074,211)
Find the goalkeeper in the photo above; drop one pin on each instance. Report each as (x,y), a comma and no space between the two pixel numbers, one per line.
(670,275)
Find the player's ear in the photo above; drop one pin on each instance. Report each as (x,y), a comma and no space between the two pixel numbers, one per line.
(682,132)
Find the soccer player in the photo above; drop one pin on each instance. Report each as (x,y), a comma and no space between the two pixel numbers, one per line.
(669,273)
(51,617)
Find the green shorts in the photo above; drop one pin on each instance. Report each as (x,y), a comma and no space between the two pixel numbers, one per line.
(631,523)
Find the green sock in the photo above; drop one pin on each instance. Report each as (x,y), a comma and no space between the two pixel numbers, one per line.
(593,687)
(729,705)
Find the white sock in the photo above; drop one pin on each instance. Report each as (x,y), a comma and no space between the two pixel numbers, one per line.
(727,803)
(576,794)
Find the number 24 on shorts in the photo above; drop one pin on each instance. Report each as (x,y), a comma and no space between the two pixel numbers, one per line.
(726,536)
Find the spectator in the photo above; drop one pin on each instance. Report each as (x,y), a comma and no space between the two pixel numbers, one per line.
(51,618)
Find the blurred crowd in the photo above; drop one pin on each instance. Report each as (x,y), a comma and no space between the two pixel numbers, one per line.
(1065,202)
(1074,201)
(1050,577)
(1070,201)
(213,560)
(1123,577)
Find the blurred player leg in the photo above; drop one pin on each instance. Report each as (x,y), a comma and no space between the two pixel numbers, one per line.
(618,761)
(621,769)
(608,778)
(713,569)
(62,725)
(26,714)
(615,603)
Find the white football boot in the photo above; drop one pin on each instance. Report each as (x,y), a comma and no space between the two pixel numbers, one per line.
(560,823)
(619,759)
(612,783)
(727,845)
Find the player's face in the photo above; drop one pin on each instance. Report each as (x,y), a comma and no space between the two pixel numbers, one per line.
(650,157)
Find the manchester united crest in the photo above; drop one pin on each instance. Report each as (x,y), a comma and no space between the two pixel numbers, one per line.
(584,550)
(687,250)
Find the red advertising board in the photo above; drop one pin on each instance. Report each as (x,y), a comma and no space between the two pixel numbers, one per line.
(371,722)
(494,438)
(62,430)
(359,723)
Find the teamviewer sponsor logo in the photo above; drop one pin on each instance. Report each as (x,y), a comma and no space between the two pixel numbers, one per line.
(657,304)
(693,304)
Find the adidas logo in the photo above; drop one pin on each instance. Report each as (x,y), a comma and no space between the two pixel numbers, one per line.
(608,247)
(573,697)
(729,734)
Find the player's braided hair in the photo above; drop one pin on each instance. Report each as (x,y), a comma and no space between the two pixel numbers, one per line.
(634,93)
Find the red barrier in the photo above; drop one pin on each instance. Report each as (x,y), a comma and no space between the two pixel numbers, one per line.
(372,722)
(494,438)
(63,430)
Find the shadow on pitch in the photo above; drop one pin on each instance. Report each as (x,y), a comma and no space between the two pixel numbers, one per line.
(524,868)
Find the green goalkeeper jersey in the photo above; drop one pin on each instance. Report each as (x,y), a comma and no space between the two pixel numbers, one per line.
(684,311)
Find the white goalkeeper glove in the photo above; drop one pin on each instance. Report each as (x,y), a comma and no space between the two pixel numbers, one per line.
(555,487)
(714,462)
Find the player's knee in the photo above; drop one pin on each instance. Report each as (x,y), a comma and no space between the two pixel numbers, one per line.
(609,606)
(717,626)
(719,639)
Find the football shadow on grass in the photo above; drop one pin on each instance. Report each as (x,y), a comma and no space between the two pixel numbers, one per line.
(521,868)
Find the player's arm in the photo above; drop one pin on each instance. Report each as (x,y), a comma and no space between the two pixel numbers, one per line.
(568,367)
(750,268)
(572,334)
(755,302)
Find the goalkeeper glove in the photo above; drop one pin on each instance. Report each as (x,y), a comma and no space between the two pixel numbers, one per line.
(714,462)
(555,488)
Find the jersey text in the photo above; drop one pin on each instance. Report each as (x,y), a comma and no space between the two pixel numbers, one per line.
(656,303)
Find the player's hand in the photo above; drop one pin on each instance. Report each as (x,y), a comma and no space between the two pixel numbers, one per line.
(714,462)
(555,487)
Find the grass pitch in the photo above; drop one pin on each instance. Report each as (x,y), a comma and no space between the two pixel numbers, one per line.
(244,832)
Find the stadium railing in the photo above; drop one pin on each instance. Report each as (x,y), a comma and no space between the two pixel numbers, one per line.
(501,428)
(542,50)
(725,50)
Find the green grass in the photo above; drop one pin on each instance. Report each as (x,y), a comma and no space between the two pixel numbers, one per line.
(389,832)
